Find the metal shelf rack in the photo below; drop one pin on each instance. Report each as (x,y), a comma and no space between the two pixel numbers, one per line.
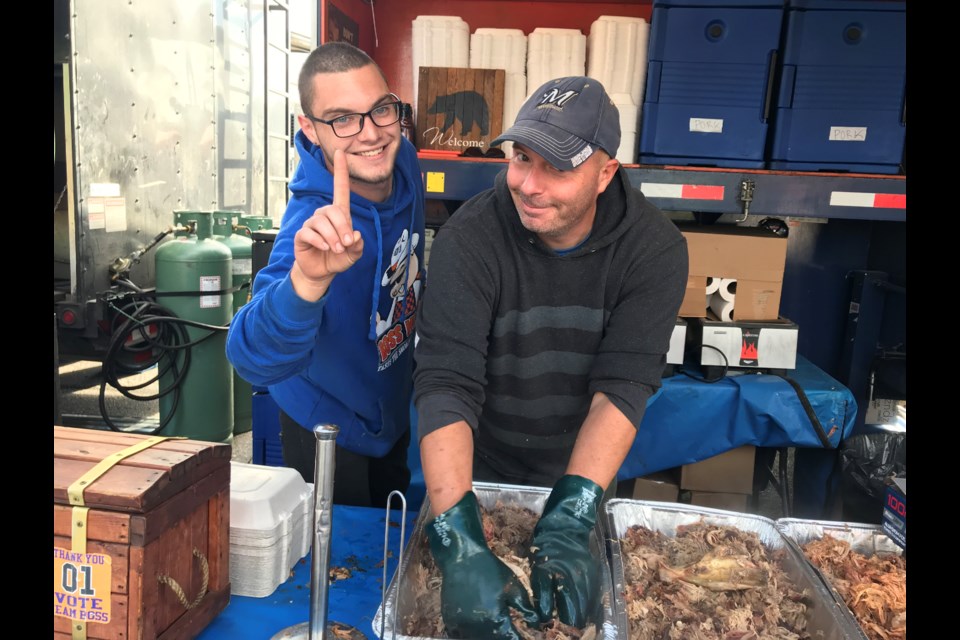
(713,190)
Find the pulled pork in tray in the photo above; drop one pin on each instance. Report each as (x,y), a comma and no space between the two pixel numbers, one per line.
(874,587)
(708,582)
(508,529)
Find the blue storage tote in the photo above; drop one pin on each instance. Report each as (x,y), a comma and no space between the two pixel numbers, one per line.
(267,447)
(710,68)
(841,103)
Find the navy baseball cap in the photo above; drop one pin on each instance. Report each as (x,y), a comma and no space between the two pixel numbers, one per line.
(565,121)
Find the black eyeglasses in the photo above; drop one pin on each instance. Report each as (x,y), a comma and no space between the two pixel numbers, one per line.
(350,124)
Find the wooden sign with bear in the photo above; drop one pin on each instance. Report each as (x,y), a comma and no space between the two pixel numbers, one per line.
(459,108)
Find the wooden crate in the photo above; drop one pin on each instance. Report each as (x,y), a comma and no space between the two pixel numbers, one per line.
(159,518)
(459,108)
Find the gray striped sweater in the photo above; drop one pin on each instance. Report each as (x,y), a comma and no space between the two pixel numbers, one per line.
(515,340)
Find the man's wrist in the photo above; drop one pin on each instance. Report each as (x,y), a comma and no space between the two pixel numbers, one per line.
(308,289)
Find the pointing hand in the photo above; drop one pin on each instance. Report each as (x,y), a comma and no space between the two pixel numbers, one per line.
(327,243)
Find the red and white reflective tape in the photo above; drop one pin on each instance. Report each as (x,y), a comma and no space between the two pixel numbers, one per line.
(682,191)
(870,200)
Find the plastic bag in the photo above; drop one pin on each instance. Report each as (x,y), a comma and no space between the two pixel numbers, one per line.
(866,461)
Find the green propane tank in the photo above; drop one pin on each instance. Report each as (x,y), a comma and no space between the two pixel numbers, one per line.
(193,282)
(241,248)
(248,224)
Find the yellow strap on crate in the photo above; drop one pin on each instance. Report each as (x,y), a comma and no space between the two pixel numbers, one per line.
(78,543)
(78,532)
(75,490)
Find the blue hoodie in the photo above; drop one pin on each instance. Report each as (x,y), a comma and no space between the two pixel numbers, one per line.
(346,359)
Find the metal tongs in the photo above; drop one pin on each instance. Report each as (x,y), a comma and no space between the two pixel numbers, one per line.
(386,555)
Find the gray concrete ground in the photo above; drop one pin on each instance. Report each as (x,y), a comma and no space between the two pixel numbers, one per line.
(80,406)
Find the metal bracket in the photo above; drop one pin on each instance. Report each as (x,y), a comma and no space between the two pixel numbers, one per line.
(746,196)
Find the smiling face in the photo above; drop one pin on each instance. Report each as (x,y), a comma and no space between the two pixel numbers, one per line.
(372,152)
(558,206)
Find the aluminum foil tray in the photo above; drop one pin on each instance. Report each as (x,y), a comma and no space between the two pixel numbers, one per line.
(828,619)
(868,539)
(534,498)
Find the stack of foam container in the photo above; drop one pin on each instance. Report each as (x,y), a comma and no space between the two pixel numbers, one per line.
(438,41)
(617,57)
(503,49)
(271,526)
(554,53)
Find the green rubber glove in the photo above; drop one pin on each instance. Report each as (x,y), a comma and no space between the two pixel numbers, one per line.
(565,575)
(478,588)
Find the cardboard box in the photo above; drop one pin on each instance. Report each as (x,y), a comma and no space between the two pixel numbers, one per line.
(753,256)
(895,511)
(141,550)
(459,108)
(729,472)
(663,486)
(716,500)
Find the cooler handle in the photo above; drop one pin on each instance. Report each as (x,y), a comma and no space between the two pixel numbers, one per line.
(768,92)
(652,90)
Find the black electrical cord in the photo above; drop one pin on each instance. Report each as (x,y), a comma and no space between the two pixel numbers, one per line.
(169,350)
(723,372)
(781,481)
(808,409)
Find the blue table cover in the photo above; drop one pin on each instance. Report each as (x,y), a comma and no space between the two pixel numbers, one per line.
(357,543)
(689,420)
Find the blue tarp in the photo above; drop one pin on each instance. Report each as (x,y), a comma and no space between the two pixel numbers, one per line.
(689,420)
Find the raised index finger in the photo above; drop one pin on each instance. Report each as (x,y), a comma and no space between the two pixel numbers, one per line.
(341,182)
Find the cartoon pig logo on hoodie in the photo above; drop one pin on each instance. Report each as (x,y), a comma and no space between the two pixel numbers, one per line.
(403,277)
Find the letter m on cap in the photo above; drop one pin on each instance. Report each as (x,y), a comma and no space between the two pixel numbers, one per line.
(559,99)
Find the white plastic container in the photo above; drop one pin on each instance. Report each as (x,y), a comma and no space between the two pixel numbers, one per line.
(438,41)
(503,49)
(499,49)
(554,53)
(617,57)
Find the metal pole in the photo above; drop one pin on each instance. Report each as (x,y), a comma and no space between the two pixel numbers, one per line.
(322,529)
(317,627)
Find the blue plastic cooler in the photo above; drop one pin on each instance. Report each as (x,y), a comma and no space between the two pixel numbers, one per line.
(709,82)
(841,104)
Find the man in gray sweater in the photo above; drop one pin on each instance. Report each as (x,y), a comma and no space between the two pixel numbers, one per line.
(543,332)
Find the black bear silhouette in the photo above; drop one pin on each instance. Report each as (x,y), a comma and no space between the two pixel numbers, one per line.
(469,106)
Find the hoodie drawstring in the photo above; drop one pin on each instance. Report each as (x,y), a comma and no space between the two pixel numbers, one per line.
(377,275)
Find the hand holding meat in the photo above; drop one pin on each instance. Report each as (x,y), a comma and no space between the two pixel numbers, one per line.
(478,589)
(327,244)
(565,577)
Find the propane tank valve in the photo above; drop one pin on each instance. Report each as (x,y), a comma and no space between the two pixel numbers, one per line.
(121,266)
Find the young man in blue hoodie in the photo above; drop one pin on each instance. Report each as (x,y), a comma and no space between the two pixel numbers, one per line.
(330,327)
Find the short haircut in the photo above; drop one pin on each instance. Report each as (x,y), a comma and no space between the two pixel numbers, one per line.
(332,57)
